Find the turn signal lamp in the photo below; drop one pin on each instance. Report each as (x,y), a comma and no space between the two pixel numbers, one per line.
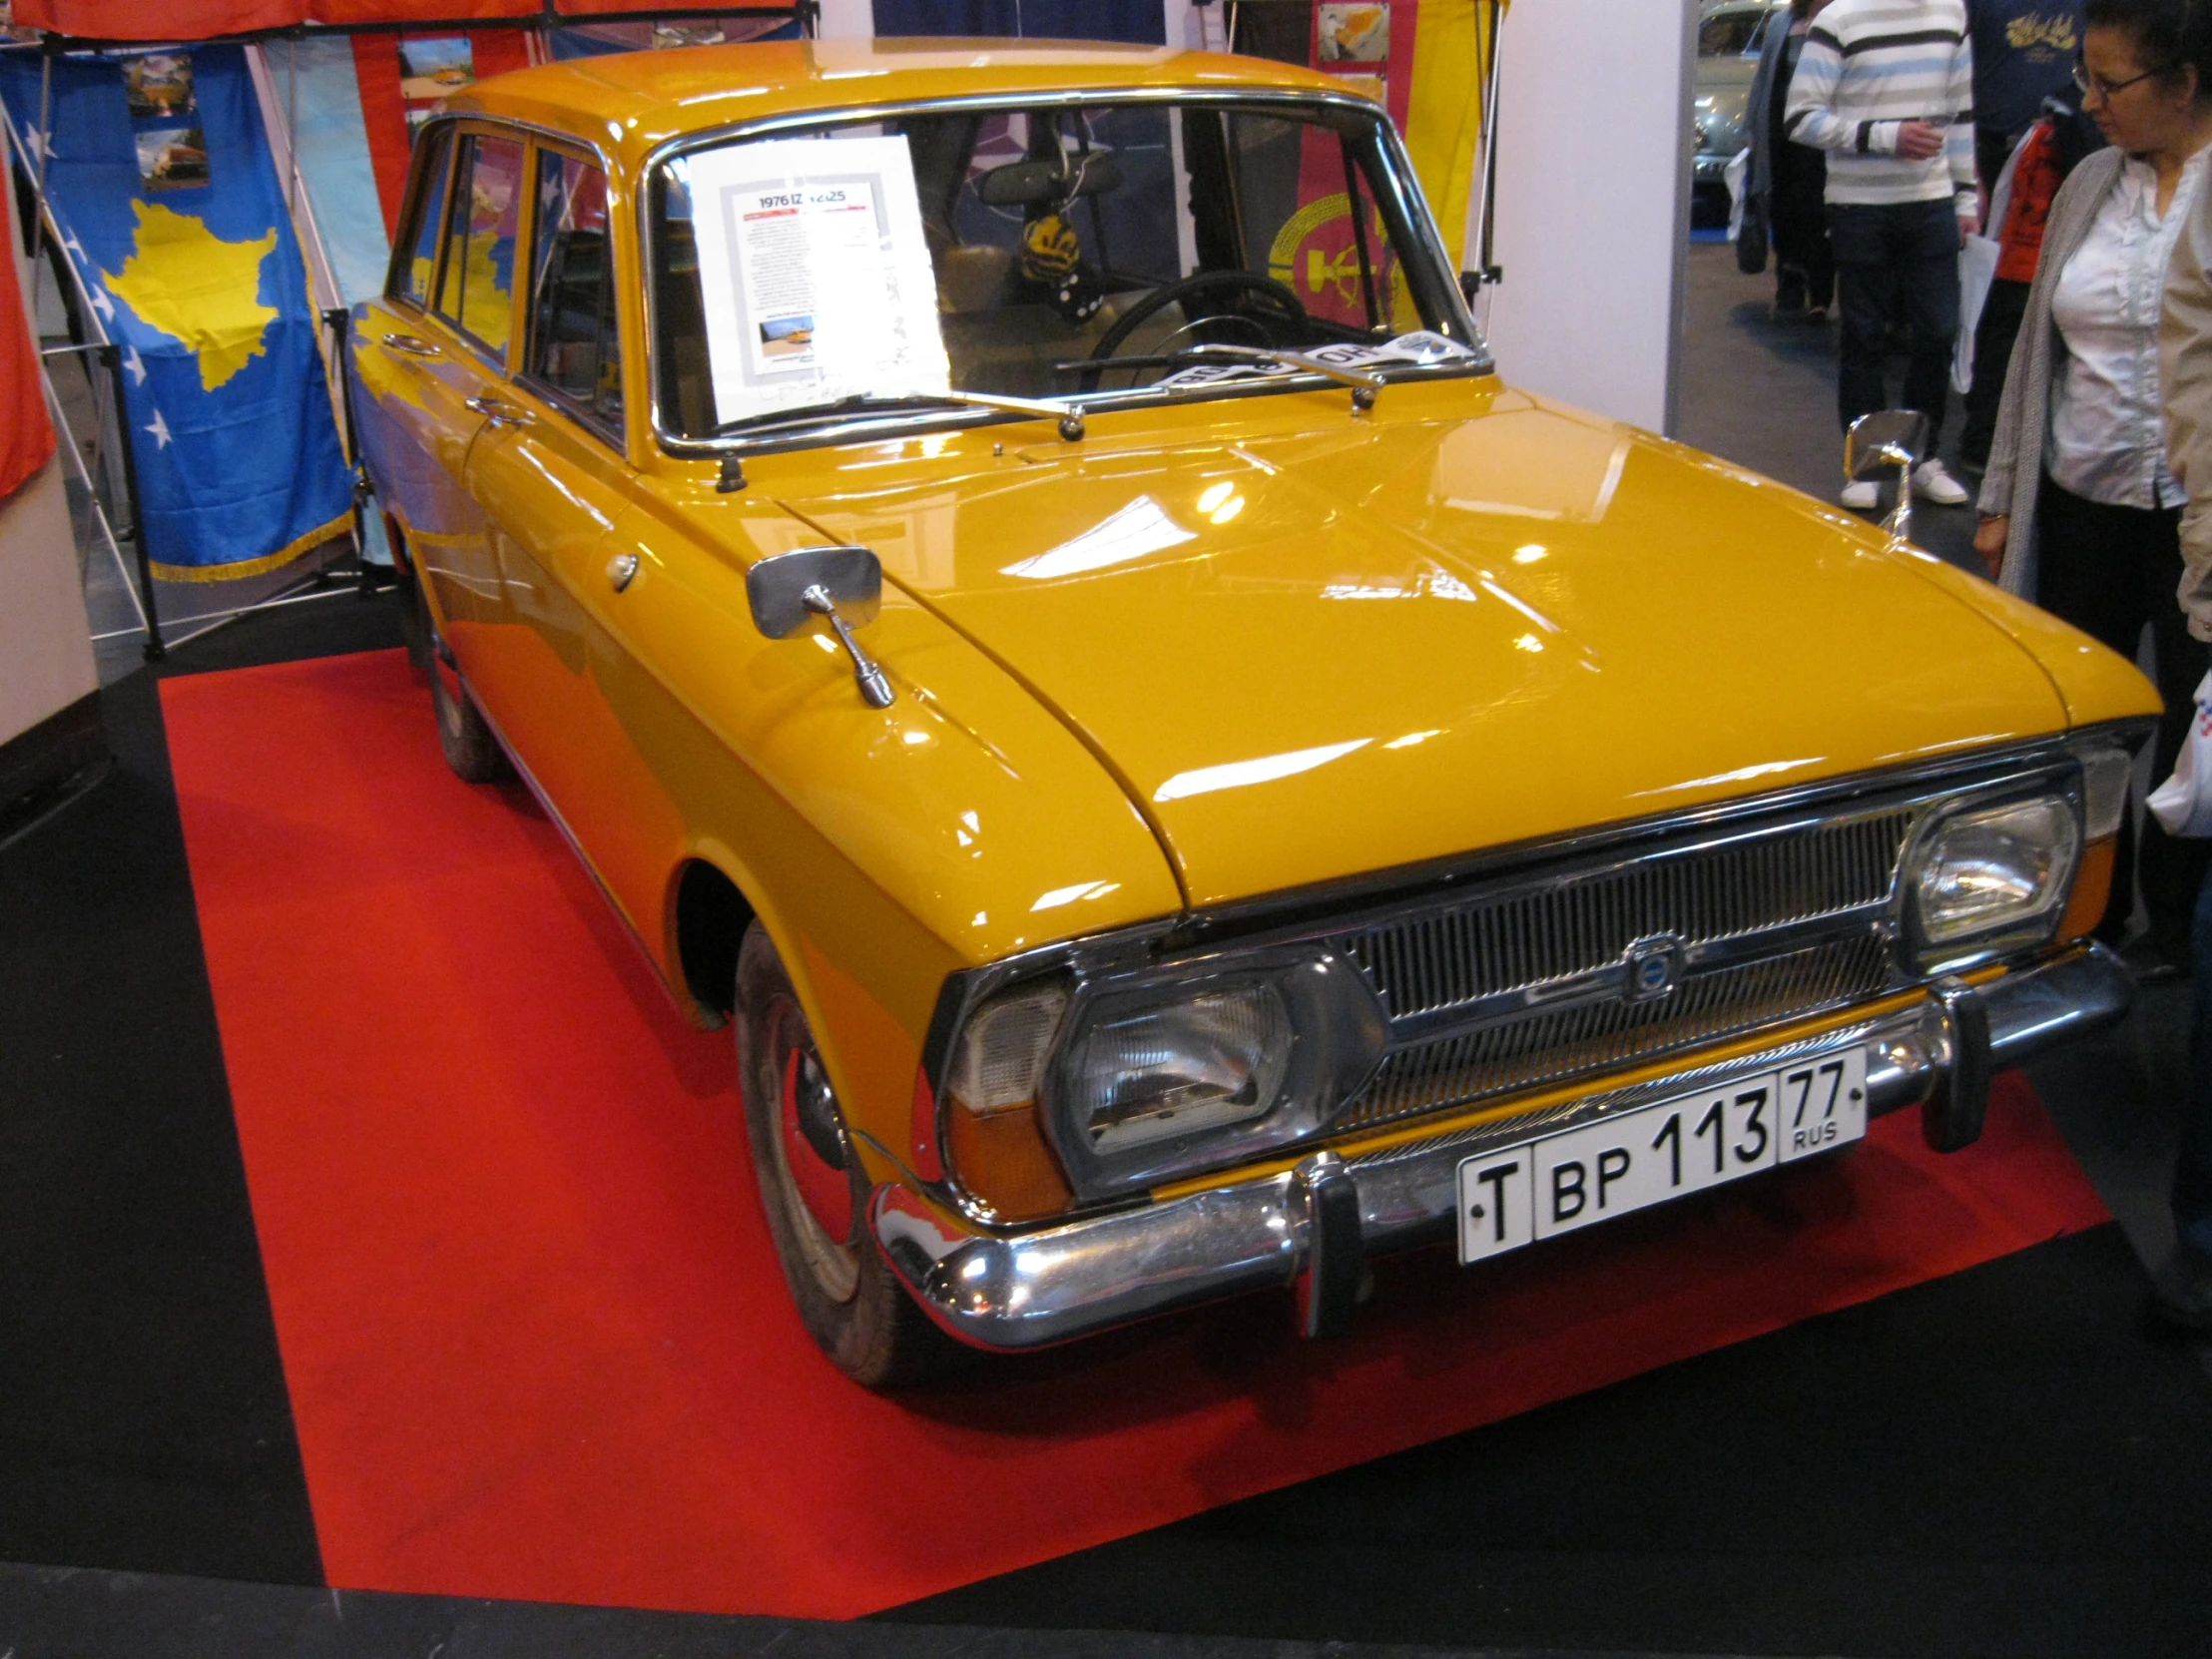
(995,1138)
(2106,773)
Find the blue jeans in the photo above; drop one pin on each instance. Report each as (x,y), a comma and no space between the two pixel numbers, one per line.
(2192,1198)
(1899,254)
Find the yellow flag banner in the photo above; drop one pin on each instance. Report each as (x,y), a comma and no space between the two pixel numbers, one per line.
(1443,107)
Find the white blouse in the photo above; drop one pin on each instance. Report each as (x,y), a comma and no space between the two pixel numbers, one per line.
(2107,431)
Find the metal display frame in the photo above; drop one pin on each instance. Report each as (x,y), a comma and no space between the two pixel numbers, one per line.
(103,358)
(91,341)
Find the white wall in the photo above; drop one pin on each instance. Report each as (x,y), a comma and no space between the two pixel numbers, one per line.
(1593,202)
(846,20)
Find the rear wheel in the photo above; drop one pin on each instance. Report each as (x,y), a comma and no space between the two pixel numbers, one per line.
(414,620)
(813,1193)
(463,733)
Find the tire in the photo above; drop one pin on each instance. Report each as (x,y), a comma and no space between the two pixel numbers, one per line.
(463,733)
(815,1195)
(414,620)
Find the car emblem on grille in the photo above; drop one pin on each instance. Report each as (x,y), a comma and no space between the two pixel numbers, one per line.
(1654,966)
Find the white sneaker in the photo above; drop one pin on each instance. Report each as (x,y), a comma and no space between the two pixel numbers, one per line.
(1932,483)
(1864,496)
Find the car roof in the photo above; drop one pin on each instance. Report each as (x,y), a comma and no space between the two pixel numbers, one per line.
(627,103)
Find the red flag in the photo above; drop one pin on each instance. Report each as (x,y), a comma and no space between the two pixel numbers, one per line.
(207,19)
(26,435)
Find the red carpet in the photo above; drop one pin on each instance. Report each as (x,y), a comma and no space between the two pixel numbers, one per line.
(537,1344)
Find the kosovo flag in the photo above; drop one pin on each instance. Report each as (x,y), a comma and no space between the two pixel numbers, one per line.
(167,206)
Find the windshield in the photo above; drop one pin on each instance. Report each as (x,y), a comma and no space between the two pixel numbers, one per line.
(1013,251)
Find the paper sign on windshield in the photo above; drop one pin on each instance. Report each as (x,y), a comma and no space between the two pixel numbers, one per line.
(815,273)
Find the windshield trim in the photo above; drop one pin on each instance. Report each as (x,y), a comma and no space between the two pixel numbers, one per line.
(831,428)
(1411,204)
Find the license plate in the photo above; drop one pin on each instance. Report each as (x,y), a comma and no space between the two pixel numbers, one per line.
(1561,1183)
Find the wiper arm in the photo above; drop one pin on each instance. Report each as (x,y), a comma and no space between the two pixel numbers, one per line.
(1068,416)
(1363,385)
(1357,378)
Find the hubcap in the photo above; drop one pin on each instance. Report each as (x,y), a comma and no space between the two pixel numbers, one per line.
(810,1154)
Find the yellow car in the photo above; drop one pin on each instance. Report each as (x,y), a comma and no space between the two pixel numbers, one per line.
(1015,569)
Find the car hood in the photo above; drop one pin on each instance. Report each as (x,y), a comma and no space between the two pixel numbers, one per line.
(1339,648)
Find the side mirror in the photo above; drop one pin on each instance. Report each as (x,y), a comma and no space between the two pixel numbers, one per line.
(1894,437)
(787,589)
(1877,442)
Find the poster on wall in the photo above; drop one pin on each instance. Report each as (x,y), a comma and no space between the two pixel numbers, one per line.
(1368,45)
(432,69)
(158,86)
(815,273)
(171,158)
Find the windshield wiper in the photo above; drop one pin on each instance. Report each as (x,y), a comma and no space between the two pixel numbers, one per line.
(1068,416)
(1363,385)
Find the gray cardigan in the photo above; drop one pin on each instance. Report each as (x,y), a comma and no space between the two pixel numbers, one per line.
(2016,470)
(1759,124)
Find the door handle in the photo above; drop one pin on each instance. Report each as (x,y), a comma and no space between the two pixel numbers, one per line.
(413,346)
(496,412)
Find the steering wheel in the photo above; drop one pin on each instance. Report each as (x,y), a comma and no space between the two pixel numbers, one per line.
(1278,307)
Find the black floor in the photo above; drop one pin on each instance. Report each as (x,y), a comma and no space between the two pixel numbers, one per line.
(1762,393)
(1999,1462)
(2004,1461)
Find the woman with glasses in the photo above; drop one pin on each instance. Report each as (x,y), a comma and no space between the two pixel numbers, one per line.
(2079,509)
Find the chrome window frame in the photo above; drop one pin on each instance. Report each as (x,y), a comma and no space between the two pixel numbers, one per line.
(531,132)
(1408,200)
(1227,936)
(411,207)
(505,356)
(593,423)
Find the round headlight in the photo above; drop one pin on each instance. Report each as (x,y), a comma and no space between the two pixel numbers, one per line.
(1997,868)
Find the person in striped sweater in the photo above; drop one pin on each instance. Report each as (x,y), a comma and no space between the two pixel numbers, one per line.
(1886,88)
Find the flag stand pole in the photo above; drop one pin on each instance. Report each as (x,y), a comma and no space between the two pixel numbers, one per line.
(84,321)
(339,321)
(111,357)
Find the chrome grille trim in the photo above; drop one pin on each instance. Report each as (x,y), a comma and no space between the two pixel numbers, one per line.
(1577,923)
(1527,986)
(1516,1127)
(1557,1046)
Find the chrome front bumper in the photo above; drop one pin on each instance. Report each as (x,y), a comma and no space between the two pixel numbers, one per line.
(1310,1228)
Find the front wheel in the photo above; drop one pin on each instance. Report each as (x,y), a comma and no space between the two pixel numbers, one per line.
(813,1193)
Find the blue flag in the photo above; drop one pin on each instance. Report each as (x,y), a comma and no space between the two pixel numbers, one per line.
(161,185)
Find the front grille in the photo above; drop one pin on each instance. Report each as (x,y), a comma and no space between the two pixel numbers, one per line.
(1559,1046)
(1434,961)
(1550,931)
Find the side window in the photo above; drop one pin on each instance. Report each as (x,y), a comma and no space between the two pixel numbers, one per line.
(572,345)
(412,281)
(476,290)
